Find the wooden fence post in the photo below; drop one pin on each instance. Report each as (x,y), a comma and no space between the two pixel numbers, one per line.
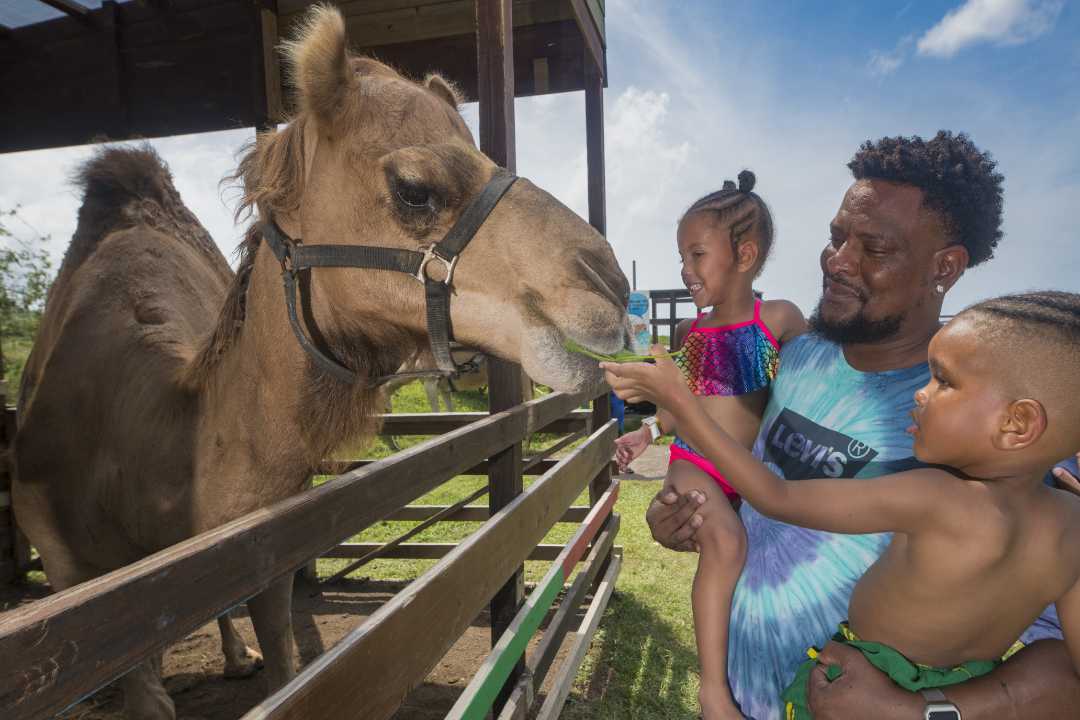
(495,62)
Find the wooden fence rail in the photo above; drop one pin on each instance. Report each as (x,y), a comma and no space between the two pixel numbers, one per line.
(76,641)
(429,615)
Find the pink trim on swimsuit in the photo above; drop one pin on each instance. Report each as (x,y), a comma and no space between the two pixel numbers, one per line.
(678,453)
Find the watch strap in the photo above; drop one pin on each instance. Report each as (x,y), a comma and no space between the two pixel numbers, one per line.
(934,695)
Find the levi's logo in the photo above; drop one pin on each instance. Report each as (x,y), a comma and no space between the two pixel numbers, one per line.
(803,449)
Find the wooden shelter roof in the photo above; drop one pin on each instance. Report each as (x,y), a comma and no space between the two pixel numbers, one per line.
(165,67)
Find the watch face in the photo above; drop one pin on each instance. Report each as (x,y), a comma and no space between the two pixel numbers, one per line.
(943,715)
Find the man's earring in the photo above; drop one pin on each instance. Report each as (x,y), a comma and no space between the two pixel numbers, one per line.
(940,289)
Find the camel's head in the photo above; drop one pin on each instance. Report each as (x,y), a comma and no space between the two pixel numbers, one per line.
(377,159)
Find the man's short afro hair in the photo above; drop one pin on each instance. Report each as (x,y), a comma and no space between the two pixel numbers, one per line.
(957,180)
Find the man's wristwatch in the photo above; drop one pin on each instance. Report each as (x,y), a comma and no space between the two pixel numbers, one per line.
(653,424)
(938,706)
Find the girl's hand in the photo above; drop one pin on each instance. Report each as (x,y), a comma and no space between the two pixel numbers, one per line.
(1066,479)
(637,382)
(630,446)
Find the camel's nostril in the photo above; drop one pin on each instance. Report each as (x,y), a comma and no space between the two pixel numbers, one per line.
(609,284)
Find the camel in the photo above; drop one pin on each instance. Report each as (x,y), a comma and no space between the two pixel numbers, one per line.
(166,395)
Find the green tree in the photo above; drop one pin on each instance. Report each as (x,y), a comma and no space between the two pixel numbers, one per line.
(25,276)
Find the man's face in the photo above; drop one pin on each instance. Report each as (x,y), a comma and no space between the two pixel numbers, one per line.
(879,263)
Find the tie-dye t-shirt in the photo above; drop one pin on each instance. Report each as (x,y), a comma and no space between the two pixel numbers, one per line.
(824,419)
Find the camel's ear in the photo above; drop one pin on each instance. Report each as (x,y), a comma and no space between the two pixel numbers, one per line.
(319,60)
(443,88)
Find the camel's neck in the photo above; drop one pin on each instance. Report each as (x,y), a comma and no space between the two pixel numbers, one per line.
(282,415)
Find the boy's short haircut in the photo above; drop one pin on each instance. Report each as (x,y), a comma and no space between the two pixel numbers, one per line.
(1040,334)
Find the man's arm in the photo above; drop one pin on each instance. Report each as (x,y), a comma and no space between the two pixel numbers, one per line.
(1038,683)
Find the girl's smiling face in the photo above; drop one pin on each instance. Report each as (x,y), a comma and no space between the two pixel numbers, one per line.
(709,262)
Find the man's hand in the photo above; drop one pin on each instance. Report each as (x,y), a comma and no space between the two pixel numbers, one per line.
(673,519)
(862,692)
(630,446)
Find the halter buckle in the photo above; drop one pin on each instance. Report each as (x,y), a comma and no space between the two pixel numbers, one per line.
(431,253)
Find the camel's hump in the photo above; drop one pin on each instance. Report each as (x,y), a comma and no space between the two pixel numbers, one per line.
(126,185)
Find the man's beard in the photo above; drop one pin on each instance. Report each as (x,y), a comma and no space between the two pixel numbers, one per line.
(857,329)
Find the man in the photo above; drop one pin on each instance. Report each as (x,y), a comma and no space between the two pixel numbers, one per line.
(918,214)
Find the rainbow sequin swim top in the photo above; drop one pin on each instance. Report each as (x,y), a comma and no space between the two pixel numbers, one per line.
(730,360)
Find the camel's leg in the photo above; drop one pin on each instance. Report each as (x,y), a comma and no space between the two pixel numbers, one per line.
(447,396)
(271,612)
(431,389)
(240,660)
(144,695)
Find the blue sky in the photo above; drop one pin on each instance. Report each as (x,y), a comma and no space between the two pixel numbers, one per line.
(699,90)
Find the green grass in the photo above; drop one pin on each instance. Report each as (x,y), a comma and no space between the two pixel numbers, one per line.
(643,661)
(16,351)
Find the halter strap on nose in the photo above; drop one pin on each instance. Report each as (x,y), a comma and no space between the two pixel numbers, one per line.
(295,257)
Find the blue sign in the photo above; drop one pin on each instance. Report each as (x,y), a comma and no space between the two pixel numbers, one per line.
(638,304)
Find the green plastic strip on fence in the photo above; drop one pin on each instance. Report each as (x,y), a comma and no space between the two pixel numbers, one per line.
(539,603)
(505,655)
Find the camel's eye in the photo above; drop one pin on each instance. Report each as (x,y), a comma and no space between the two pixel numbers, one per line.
(413,195)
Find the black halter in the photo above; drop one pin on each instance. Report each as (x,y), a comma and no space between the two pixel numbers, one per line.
(295,257)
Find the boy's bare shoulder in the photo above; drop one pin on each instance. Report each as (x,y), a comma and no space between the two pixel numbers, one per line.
(1070,506)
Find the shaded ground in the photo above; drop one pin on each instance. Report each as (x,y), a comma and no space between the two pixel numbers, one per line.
(193,667)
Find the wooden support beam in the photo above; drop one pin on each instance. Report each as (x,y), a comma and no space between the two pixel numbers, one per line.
(69,7)
(266,95)
(495,64)
(473,513)
(594,146)
(495,61)
(438,423)
(117,125)
(424,551)
(593,40)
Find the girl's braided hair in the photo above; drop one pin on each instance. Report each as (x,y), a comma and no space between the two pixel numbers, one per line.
(743,210)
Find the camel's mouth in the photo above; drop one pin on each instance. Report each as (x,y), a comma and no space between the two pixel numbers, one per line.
(547,360)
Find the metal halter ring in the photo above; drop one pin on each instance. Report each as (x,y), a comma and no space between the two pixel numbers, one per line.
(431,253)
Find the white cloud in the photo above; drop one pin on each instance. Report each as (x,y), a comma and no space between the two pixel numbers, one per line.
(886,63)
(1003,22)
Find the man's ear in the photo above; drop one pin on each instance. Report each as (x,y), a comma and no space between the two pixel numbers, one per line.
(1024,423)
(949,265)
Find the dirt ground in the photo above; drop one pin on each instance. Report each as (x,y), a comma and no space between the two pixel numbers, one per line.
(193,667)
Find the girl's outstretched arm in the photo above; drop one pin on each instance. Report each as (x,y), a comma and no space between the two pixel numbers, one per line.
(902,502)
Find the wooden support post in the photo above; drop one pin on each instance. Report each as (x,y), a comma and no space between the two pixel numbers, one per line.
(495,61)
(266,93)
(594,154)
(594,146)
(117,123)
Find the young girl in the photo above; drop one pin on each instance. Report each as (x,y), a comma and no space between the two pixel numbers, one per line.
(731,356)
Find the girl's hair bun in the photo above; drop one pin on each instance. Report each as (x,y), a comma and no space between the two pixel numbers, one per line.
(746,181)
(728,185)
